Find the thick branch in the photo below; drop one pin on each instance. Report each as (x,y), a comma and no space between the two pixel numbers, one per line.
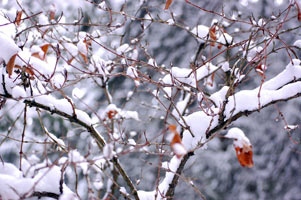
(211,134)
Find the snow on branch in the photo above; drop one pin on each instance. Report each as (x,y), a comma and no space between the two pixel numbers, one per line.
(284,86)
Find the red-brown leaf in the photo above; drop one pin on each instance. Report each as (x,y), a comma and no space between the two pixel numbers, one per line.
(84,57)
(299,12)
(45,49)
(176,143)
(10,65)
(168,2)
(212,35)
(18,17)
(245,156)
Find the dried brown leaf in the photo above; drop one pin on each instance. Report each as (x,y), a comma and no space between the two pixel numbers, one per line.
(168,2)
(10,65)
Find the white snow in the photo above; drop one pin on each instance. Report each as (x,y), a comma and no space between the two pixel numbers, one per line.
(201,31)
(108,152)
(179,149)
(48,179)
(170,22)
(225,38)
(181,105)
(8,29)
(83,116)
(132,72)
(82,47)
(248,99)
(219,97)
(123,49)
(297,43)
(18,92)
(225,66)
(78,93)
(8,48)
(10,169)
(187,76)
(239,137)
(71,48)
(12,187)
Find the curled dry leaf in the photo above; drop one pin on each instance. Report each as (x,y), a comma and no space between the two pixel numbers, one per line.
(212,35)
(299,12)
(112,114)
(242,147)
(44,49)
(27,70)
(176,143)
(244,156)
(260,69)
(168,2)
(18,18)
(10,65)
(84,57)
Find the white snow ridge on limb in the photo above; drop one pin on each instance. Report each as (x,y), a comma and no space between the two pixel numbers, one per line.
(242,147)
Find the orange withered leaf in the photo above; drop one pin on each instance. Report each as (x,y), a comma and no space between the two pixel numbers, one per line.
(52,15)
(299,12)
(36,54)
(18,17)
(242,147)
(10,65)
(245,156)
(112,113)
(84,57)
(45,49)
(260,70)
(212,35)
(168,2)
(176,143)
(27,70)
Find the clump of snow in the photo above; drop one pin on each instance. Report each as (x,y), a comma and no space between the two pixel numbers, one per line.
(10,169)
(78,93)
(8,29)
(18,92)
(100,65)
(181,105)
(13,188)
(48,179)
(71,48)
(108,152)
(239,137)
(59,142)
(297,43)
(8,48)
(152,61)
(132,72)
(187,76)
(225,38)
(225,66)
(123,49)
(219,97)
(145,195)
(200,31)
(98,184)
(170,22)
(82,47)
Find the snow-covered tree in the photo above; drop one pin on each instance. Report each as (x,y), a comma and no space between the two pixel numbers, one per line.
(143,99)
